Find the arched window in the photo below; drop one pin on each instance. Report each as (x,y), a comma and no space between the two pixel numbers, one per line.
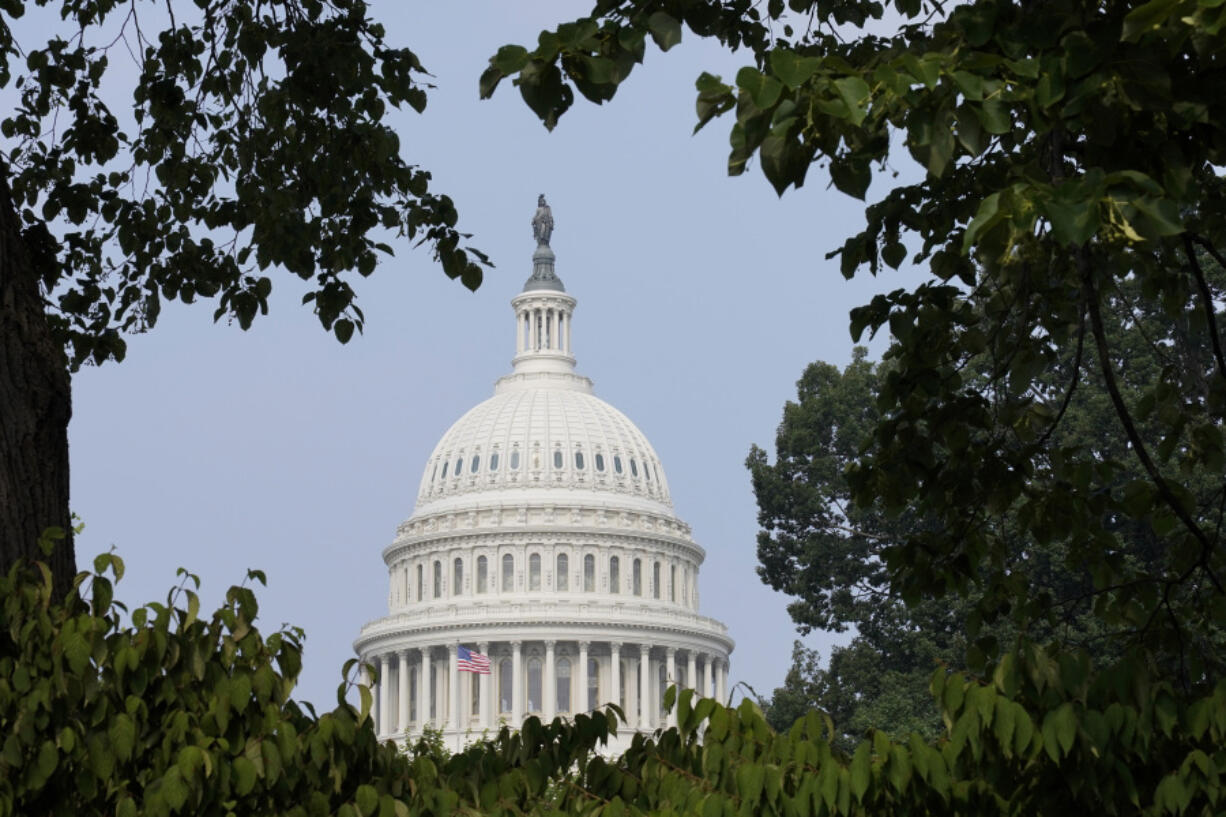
(614,574)
(655,580)
(561,579)
(504,685)
(672,583)
(563,684)
(438,579)
(647,470)
(599,462)
(475,464)
(508,573)
(589,573)
(593,684)
(617,464)
(557,458)
(421,583)
(445,469)
(483,574)
(579,460)
(534,571)
(534,685)
(457,577)
(636,577)
(634,468)
(514,460)
(494,461)
(434,474)
(459,465)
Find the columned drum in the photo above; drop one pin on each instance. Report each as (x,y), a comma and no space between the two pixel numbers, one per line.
(543,571)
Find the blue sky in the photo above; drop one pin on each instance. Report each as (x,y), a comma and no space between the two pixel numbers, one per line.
(701,299)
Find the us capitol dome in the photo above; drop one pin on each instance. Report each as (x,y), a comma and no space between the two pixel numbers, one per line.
(544,540)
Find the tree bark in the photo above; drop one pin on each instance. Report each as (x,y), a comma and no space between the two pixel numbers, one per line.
(35,406)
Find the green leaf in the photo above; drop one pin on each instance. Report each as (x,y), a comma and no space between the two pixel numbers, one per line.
(762,89)
(244,775)
(860,770)
(366,799)
(856,94)
(122,733)
(792,69)
(1147,17)
(665,29)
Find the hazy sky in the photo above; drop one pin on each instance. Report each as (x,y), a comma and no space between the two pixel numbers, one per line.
(701,299)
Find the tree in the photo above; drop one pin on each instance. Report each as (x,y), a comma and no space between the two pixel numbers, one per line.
(259,140)
(1071,153)
(819,546)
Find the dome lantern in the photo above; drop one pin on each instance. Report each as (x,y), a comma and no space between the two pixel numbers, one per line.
(543,309)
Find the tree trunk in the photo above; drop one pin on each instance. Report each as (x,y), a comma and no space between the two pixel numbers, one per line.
(35,406)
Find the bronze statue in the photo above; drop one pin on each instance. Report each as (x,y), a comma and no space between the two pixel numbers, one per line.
(542,222)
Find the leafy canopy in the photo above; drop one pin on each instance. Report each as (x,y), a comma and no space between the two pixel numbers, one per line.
(169,712)
(1070,153)
(258,139)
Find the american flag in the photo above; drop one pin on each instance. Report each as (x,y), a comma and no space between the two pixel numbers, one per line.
(472,661)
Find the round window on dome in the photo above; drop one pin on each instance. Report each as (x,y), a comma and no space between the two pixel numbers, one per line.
(617,464)
(579,460)
(557,459)
(514,461)
(599,461)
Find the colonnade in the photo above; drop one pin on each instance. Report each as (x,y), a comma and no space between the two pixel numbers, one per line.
(423,686)
(544,329)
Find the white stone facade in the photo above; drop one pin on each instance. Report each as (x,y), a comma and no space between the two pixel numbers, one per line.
(543,537)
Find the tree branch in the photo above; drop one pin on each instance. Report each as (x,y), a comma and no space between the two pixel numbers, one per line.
(1207,297)
(1130,429)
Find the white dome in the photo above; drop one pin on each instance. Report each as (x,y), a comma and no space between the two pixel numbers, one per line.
(543,546)
(553,435)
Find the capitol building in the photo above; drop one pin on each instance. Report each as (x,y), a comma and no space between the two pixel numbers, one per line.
(543,539)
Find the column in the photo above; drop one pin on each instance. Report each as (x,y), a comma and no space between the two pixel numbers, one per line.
(549,689)
(423,690)
(691,670)
(402,676)
(385,688)
(670,673)
(368,681)
(453,687)
(615,679)
(706,676)
(645,718)
(517,684)
(721,680)
(486,685)
(568,351)
(579,704)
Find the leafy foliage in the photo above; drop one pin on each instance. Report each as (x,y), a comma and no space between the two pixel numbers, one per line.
(259,141)
(1070,152)
(172,713)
